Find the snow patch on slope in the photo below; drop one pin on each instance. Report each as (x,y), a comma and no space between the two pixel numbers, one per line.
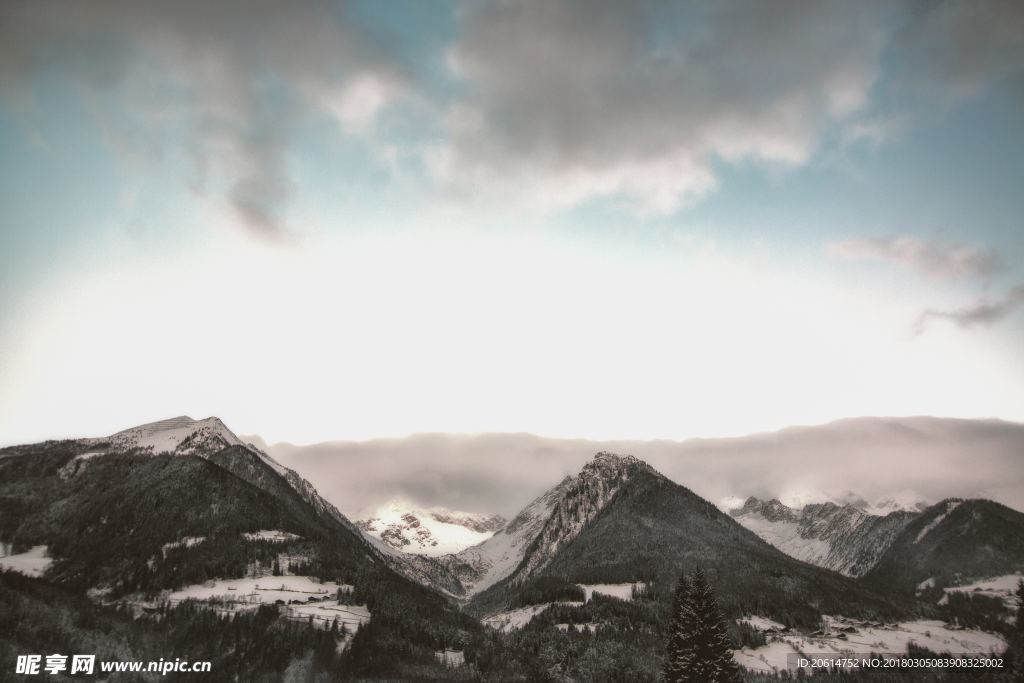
(32,562)
(950,506)
(622,591)
(271,535)
(786,537)
(864,638)
(1002,587)
(186,542)
(514,619)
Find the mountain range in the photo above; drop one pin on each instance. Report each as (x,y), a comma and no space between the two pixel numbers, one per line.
(154,510)
(120,518)
(845,538)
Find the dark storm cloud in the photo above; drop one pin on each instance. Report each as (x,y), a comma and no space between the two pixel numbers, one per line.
(872,457)
(232,72)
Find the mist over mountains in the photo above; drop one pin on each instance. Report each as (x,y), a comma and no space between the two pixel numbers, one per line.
(878,459)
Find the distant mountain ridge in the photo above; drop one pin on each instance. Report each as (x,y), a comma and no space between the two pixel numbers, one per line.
(433,532)
(845,538)
(953,542)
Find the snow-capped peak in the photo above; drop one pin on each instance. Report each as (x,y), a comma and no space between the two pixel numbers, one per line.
(429,531)
(899,501)
(181,435)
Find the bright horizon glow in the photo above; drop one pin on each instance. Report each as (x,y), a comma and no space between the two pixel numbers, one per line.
(390,336)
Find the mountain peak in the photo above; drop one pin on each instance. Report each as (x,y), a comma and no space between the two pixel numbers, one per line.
(772,510)
(179,434)
(577,502)
(606,464)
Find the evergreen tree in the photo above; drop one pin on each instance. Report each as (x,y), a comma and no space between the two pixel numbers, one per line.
(713,650)
(679,660)
(699,647)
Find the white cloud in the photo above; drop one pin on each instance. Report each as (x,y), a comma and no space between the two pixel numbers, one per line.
(358,103)
(573,101)
(937,458)
(230,75)
(930,257)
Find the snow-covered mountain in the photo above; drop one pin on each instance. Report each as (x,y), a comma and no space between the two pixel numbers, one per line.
(208,438)
(524,545)
(131,471)
(181,435)
(952,543)
(848,537)
(620,522)
(432,532)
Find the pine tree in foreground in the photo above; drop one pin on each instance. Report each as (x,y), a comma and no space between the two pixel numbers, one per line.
(698,647)
(679,661)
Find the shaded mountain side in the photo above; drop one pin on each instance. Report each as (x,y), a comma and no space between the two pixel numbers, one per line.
(284,485)
(578,503)
(107,525)
(950,543)
(652,529)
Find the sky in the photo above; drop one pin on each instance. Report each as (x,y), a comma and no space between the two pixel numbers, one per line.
(596,220)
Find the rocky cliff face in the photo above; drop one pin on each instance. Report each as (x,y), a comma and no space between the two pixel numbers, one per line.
(844,538)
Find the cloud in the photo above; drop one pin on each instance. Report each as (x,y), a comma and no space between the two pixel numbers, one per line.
(568,101)
(500,473)
(552,102)
(960,48)
(232,75)
(928,257)
(984,313)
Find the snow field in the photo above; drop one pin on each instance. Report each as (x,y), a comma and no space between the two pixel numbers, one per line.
(32,562)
